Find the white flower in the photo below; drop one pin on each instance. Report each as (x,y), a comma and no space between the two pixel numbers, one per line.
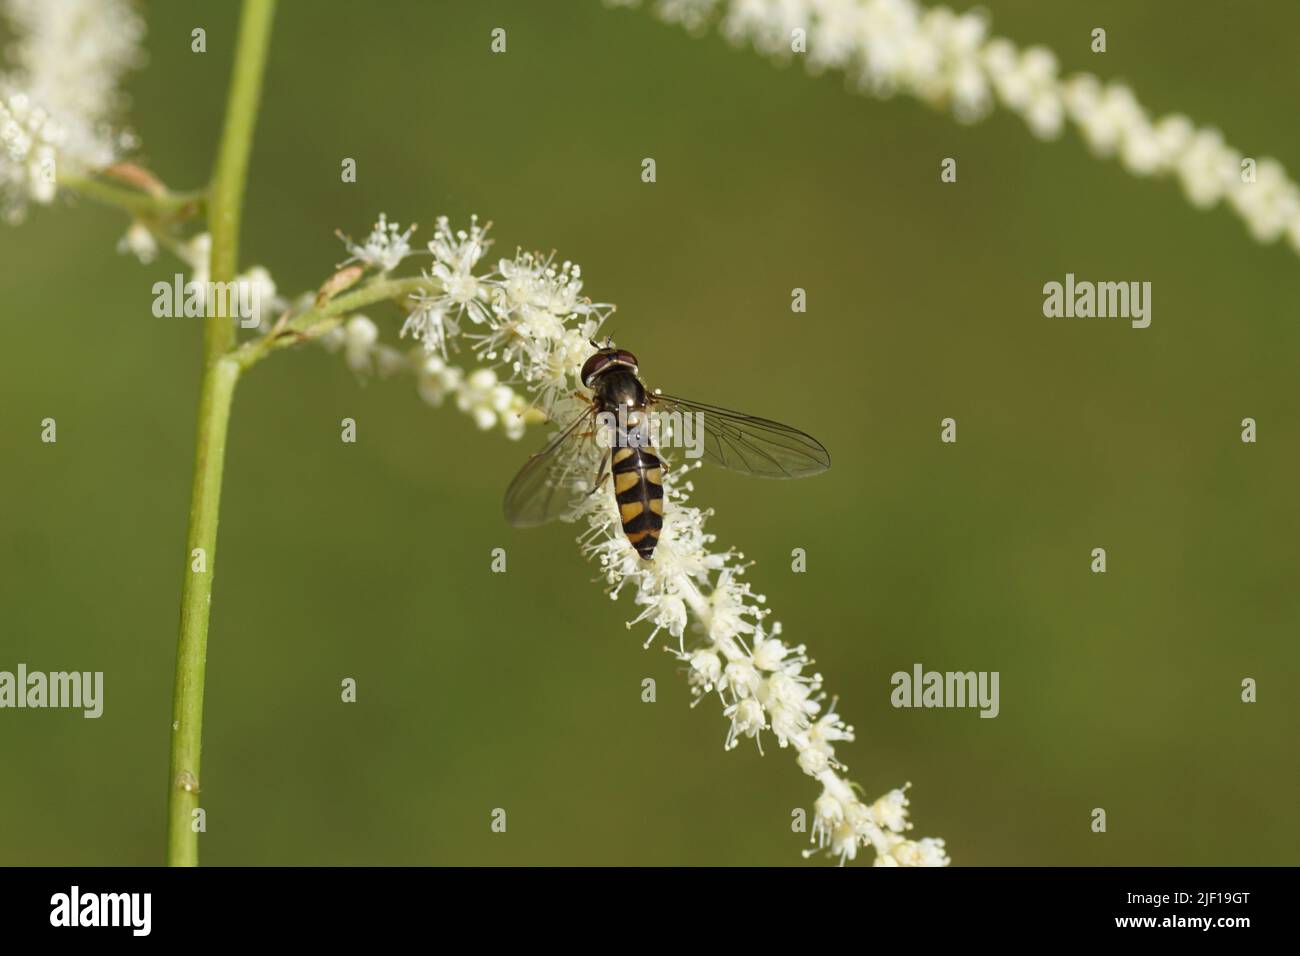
(139,242)
(540,324)
(29,155)
(486,400)
(706,669)
(828,729)
(429,324)
(71,54)
(197,254)
(890,811)
(742,679)
(60,94)
(455,256)
(747,720)
(828,812)
(769,653)
(382,250)
(436,316)
(359,337)
(1270,203)
(261,291)
(436,379)
(926,852)
(731,613)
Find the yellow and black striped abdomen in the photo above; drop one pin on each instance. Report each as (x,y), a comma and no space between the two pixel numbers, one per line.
(639,491)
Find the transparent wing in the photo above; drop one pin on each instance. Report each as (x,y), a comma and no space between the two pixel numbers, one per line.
(556,478)
(744,443)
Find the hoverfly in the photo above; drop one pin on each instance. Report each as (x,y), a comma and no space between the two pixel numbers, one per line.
(611,439)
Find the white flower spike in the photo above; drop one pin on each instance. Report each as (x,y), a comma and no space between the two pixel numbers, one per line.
(531,321)
(949,61)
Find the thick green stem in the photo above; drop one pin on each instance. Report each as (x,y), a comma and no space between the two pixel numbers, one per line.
(216,393)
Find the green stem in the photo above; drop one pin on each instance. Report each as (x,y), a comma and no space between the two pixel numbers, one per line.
(139,204)
(226,200)
(215,396)
(216,393)
(321,318)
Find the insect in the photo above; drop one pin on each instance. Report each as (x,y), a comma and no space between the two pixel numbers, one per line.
(615,438)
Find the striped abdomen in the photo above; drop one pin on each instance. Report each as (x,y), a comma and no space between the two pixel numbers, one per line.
(639,491)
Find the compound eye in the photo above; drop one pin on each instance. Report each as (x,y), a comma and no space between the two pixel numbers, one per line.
(594,365)
(628,358)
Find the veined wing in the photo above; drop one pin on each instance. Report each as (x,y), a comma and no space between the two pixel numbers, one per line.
(746,443)
(555,479)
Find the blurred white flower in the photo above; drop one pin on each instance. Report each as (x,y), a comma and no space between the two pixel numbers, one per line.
(196,252)
(70,54)
(435,379)
(360,336)
(489,403)
(139,242)
(261,294)
(358,339)
(59,93)
(948,60)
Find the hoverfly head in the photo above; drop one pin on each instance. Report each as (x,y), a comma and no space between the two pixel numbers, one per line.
(606,357)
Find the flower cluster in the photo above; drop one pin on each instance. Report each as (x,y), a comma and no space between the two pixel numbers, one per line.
(480,394)
(383,250)
(949,60)
(528,318)
(60,93)
(761,682)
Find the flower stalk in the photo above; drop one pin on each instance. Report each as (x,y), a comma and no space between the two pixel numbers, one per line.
(142,205)
(325,316)
(216,394)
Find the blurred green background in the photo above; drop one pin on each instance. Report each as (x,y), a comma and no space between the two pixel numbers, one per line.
(522,690)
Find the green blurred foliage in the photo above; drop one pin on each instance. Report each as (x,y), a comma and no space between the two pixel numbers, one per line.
(522,690)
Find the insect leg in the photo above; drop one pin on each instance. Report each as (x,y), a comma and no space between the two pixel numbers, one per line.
(601,475)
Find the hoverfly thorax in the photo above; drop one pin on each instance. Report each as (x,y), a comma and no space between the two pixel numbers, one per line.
(612,375)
